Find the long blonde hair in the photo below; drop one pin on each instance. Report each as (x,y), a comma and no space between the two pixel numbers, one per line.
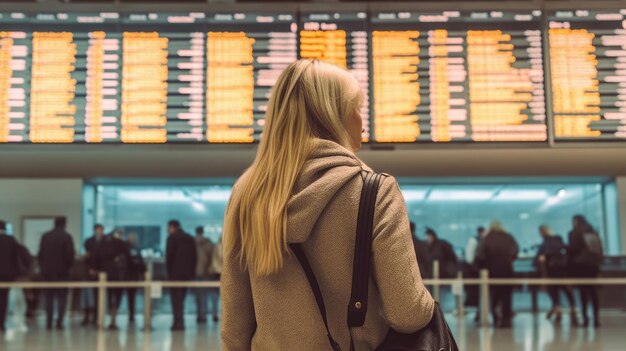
(309,101)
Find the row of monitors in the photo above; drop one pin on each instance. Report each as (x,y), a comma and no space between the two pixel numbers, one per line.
(446,76)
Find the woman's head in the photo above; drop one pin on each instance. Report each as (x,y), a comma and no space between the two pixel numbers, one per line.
(314,99)
(580,222)
(496,226)
(311,100)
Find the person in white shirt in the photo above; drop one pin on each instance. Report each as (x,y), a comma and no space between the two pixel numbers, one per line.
(471,271)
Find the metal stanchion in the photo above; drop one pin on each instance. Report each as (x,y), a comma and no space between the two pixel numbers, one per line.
(459,294)
(102,298)
(484,297)
(436,287)
(147,303)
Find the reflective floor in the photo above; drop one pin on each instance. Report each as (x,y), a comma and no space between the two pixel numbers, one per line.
(530,333)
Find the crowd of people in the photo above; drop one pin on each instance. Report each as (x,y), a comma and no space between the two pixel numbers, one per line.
(187,258)
(197,258)
(495,249)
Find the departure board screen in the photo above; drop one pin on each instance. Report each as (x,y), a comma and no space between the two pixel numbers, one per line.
(457,77)
(206,77)
(15,62)
(245,55)
(339,38)
(588,74)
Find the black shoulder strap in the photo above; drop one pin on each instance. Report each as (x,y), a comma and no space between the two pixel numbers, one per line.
(297,250)
(357,309)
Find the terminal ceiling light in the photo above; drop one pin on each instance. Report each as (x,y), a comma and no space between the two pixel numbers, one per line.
(198,206)
(216,195)
(414,195)
(153,196)
(521,195)
(460,195)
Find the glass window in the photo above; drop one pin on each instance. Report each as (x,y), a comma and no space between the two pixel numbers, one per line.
(145,210)
(454,210)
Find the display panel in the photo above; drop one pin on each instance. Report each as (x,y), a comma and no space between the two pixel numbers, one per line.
(340,38)
(245,53)
(457,77)
(15,48)
(143,77)
(163,65)
(588,74)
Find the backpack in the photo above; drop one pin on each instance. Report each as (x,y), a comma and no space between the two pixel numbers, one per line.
(592,254)
(557,254)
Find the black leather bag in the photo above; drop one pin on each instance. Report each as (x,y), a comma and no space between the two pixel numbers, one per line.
(436,336)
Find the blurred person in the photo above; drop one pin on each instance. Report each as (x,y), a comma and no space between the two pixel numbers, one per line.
(56,257)
(136,271)
(442,251)
(215,273)
(204,248)
(471,249)
(422,252)
(585,256)
(90,295)
(113,258)
(27,273)
(496,252)
(552,258)
(180,260)
(80,272)
(303,187)
(471,271)
(8,269)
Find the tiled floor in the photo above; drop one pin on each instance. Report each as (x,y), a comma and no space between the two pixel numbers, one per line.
(530,333)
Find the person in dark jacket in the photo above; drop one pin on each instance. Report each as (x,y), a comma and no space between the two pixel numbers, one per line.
(91,246)
(496,252)
(56,257)
(8,269)
(552,259)
(441,251)
(135,272)
(422,253)
(113,257)
(180,259)
(577,247)
(28,273)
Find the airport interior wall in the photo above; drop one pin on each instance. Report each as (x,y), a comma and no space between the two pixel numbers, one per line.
(42,198)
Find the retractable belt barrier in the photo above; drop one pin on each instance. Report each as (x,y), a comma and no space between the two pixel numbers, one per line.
(148,284)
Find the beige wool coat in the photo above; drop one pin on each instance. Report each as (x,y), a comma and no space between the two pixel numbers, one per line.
(278,312)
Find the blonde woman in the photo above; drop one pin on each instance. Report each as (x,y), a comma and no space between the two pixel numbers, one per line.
(304,187)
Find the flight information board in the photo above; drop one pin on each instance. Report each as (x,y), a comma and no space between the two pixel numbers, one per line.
(245,54)
(202,77)
(457,77)
(15,62)
(339,38)
(588,74)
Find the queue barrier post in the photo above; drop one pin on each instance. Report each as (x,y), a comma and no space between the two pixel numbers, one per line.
(102,298)
(147,302)
(459,294)
(484,297)
(436,286)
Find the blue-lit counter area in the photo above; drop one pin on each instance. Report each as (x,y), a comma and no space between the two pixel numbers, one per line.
(453,207)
